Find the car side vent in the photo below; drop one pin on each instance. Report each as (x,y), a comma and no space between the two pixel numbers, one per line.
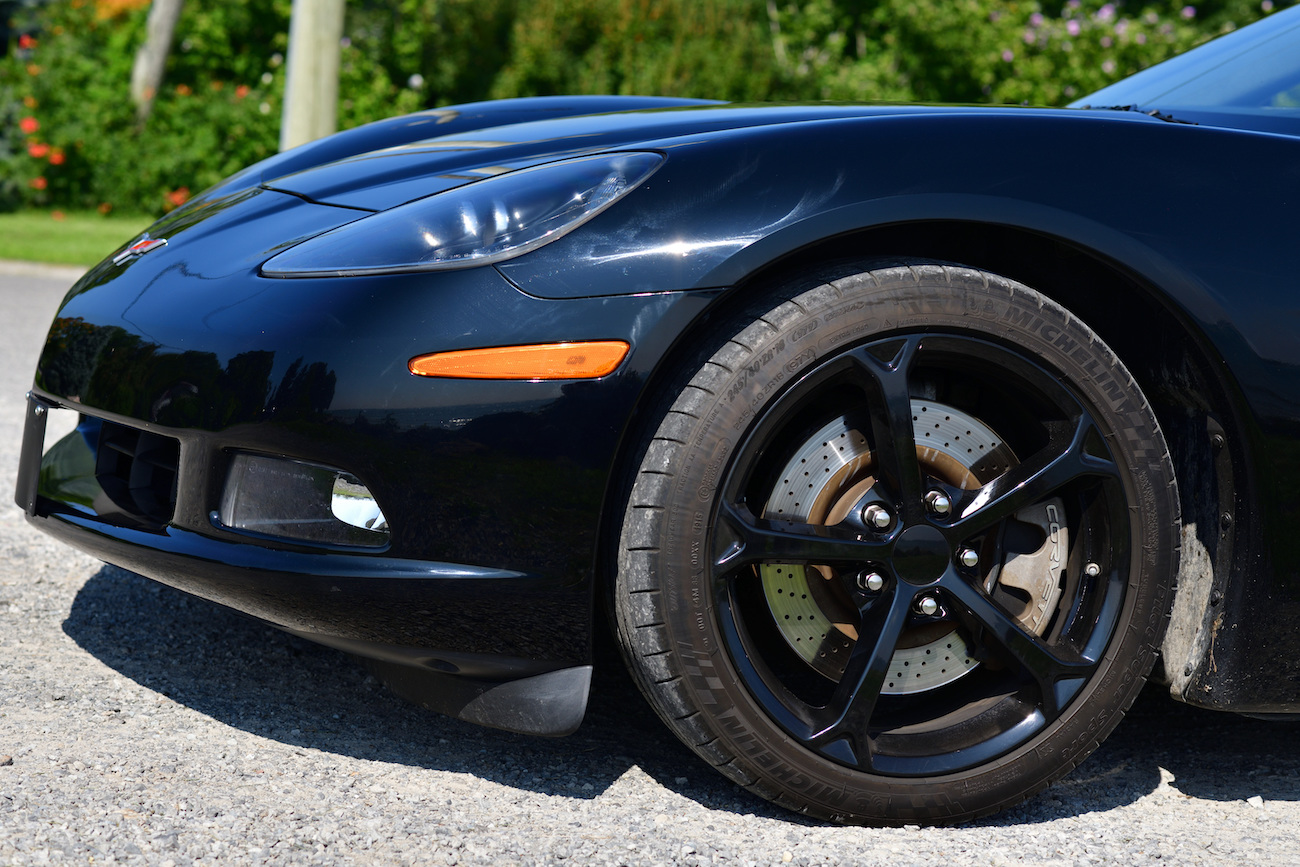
(137,471)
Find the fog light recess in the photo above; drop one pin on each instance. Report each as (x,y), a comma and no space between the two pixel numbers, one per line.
(301,502)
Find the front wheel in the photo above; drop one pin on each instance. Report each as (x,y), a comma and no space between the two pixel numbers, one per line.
(901,548)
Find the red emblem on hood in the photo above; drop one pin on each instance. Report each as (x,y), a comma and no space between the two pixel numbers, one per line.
(139,248)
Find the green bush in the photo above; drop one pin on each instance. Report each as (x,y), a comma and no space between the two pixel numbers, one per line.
(219,108)
(986,50)
(70,136)
(709,48)
(405,55)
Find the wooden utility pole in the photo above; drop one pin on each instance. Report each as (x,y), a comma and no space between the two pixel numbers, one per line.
(311,89)
(151,58)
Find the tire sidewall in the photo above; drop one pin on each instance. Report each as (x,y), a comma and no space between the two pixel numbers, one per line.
(767,357)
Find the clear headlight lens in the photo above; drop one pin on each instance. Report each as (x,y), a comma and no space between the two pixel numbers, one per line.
(477,224)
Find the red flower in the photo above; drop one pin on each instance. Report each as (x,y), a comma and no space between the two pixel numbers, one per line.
(183,89)
(57,157)
(29,125)
(38,150)
(37,183)
(104,207)
(57,215)
(241,91)
(179,196)
(26,41)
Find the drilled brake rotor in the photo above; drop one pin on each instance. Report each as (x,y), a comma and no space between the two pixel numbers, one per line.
(830,472)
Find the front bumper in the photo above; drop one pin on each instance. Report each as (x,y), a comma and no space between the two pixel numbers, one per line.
(493,646)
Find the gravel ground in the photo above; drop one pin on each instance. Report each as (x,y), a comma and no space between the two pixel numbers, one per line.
(141,726)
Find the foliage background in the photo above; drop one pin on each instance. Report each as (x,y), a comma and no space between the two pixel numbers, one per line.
(69,135)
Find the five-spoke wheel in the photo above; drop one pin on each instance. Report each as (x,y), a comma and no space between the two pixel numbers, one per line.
(900,548)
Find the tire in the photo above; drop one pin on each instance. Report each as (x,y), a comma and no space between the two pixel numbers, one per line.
(901,547)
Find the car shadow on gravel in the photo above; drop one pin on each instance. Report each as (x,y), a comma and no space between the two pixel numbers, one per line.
(1210,755)
(260,680)
(265,682)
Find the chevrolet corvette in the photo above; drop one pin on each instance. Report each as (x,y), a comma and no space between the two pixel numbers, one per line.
(897,444)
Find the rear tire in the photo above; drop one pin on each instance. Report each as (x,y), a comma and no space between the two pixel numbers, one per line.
(868,612)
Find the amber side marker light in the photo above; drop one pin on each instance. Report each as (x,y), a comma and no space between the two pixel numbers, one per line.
(580,360)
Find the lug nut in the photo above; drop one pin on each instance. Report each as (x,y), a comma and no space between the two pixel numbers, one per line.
(928,606)
(1092,570)
(872,582)
(969,557)
(877,516)
(938,503)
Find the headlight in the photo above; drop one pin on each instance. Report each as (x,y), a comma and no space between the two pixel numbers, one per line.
(477,224)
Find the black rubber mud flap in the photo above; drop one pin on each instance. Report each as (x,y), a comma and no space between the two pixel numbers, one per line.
(550,704)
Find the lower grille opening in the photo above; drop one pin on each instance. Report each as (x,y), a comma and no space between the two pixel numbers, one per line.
(137,471)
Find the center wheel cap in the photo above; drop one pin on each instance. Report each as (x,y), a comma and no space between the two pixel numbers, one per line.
(920,555)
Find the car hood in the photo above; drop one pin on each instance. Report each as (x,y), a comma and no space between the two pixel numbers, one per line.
(383,179)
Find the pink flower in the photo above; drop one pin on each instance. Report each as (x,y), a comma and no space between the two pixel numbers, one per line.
(1072,27)
(1036,20)
(1008,56)
(1188,12)
(1106,12)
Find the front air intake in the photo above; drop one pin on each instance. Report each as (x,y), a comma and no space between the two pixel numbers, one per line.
(137,471)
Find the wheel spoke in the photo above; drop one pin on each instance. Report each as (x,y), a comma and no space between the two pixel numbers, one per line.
(891,422)
(1063,460)
(847,715)
(1051,669)
(741,539)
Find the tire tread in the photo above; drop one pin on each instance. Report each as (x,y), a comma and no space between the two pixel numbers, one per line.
(639,599)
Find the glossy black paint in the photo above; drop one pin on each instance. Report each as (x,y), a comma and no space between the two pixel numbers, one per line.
(1173,241)
(395,132)
(1223,83)
(505,473)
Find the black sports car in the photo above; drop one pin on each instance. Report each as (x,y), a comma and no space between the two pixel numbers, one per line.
(898,442)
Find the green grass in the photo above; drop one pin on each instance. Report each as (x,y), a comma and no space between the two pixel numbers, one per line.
(66,238)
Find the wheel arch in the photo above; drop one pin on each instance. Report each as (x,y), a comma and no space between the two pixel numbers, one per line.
(1172,360)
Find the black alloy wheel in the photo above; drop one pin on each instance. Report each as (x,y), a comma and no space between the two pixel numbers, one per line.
(901,548)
